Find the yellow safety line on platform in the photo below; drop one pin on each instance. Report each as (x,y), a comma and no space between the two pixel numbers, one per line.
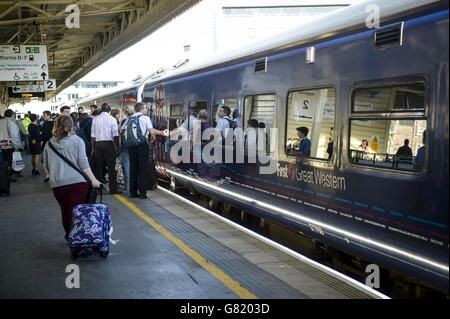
(202,261)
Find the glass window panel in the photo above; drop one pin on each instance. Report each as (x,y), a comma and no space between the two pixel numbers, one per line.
(405,97)
(198,112)
(229,101)
(398,144)
(176,116)
(262,109)
(315,111)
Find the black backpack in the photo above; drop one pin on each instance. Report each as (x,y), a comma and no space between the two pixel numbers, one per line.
(232,125)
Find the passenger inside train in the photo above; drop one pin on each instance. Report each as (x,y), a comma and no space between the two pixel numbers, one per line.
(393,143)
(404,153)
(305,144)
(251,138)
(312,110)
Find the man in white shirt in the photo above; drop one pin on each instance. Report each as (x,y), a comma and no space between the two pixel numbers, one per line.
(9,131)
(105,146)
(139,154)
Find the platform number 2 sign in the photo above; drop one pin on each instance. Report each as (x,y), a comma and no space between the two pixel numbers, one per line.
(50,85)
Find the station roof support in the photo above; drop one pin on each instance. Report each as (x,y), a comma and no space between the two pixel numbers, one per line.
(106,27)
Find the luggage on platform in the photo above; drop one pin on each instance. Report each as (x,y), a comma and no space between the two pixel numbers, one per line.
(152,181)
(4,178)
(91,230)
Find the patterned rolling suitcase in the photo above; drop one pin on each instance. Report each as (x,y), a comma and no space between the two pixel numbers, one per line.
(90,232)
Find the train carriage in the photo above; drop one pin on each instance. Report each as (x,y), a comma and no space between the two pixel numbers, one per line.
(348,80)
(345,81)
(117,98)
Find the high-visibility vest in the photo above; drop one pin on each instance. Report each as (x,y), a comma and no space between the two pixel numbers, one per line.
(26,121)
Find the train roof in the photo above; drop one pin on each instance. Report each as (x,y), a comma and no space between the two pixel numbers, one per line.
(109,92)
(342,20)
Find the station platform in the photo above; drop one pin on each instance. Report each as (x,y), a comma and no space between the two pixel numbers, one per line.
(167,249)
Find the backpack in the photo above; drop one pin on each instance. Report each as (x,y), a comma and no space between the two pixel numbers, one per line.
(134,133)
(232,125)
(83,136)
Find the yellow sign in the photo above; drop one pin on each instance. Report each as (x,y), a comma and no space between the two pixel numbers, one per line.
(374,144)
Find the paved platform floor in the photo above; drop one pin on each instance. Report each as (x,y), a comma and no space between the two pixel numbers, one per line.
(146,263)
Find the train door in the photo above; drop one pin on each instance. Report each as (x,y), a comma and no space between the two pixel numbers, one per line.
(175,124)
(154,97)
(228,151)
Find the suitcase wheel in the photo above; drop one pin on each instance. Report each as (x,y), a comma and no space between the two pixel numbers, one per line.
(104,254)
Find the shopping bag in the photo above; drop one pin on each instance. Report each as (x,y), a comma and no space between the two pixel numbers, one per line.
(17,162)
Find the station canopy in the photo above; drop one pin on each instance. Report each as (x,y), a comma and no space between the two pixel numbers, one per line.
(106,27)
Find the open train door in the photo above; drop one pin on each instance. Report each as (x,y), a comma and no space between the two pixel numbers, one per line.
(154,97)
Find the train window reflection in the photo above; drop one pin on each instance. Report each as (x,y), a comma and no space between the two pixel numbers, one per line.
(398,144)
(232,103)
(310,123)
(198,111)
(401,98)
(176,115)
(260,110)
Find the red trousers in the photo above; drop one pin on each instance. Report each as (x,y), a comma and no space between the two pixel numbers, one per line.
(69,196)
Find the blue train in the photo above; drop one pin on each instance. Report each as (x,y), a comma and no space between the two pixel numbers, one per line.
(370,82)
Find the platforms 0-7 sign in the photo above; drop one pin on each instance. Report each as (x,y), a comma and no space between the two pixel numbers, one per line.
(23,63)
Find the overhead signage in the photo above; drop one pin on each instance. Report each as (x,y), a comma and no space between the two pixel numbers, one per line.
(23,63)
(12,94)
(27,88)
(50,85)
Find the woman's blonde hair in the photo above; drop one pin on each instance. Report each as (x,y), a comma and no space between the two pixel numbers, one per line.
(63,127)
(128,110)
(202,115)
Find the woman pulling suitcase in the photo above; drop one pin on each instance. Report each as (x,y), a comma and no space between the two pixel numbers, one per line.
(69,187)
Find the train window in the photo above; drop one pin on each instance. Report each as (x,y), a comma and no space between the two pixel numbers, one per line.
(232,103)
(176,110)
(403,98)
(397,142)
(310,123)
(261,108)
(196,108)
(176,115)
